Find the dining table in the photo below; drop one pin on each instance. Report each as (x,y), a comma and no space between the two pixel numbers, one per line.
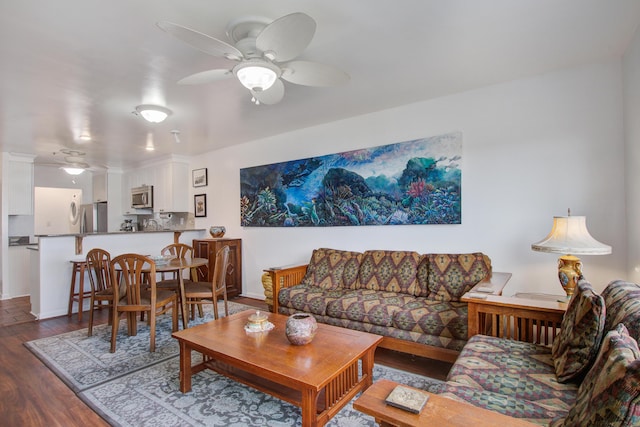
(178,265)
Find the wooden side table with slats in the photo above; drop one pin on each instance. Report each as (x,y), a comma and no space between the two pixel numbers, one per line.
(438,411)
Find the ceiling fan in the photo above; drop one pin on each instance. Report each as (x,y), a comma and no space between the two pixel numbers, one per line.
(261,55)
(74,161)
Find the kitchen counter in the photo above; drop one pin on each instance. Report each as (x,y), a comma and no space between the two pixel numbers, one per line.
(52,268)
(119,232)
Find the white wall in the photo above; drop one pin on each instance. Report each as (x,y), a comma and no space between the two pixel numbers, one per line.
(631,78)
(531,149)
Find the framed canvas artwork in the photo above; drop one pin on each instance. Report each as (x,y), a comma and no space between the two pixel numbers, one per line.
(414,182)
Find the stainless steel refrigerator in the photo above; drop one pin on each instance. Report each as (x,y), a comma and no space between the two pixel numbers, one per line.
(93,218)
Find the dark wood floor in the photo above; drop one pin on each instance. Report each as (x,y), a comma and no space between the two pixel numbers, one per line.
(32,395)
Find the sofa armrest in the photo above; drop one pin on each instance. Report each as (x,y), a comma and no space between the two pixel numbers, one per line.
(284,277)
(522,319)
(496,282)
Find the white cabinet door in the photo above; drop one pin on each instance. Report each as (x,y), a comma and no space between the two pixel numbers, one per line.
(161,188)
(19,272)
(20,188)
(171,191)
(180,184)
(100,188)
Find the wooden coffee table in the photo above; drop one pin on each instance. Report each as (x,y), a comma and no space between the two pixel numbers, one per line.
(320,377)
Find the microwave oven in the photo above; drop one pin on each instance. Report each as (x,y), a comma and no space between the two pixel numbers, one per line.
(142,197)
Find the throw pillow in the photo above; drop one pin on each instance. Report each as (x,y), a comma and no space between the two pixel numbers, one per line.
(576,346)
(610,392)
(328,267)
(390,271)
(622,300)
(451,275)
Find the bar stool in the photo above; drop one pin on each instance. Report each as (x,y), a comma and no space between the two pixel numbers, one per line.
(79,267)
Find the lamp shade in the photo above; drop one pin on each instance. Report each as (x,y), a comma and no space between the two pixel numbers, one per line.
(569,235)
(256,76)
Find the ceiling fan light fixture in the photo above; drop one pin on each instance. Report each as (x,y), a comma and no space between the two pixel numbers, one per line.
(73,170)
(153,113)
(256,76)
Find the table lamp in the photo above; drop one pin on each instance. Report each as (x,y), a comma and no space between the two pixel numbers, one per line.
(570,236)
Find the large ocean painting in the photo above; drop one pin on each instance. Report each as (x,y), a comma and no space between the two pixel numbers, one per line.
(413,182)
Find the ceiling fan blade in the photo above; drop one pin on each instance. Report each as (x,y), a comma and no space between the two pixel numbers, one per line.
(286,37)
(309,73)
(201,41)
(273,95)
(204,77)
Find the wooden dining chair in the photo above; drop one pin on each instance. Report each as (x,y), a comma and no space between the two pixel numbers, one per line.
(175,250)
(134,289)
(99,271)
(199,292)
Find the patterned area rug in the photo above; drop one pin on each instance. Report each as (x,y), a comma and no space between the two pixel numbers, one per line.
(82,361)
(134,387)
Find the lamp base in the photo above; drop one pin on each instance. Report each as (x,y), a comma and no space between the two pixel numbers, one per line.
(569,272)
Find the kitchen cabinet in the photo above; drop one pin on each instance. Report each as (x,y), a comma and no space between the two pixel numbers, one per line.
(19,283)
(170,182)
(100,188)
(207,248)
(20,186)
(171,187)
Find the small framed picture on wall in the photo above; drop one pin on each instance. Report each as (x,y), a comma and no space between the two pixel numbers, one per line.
(199,177)
(200,205)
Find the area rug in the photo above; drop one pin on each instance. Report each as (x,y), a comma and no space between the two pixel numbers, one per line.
(82,361)
(133,387)
(151,397)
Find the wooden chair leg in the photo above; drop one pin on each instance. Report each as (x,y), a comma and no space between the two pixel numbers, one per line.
(226,306)
(215,306)
(114,330)
(174,313)
(152,331)
(91,307)
(200,312)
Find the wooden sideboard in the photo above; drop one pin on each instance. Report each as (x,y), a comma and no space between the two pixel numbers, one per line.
(207,248)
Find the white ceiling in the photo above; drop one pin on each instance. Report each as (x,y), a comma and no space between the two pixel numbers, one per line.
(69,67)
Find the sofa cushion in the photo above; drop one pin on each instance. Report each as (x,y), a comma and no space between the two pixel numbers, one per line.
(622,300)
(610,392)
(368,306)
(326,268)
(309,299)
(576,346)
(512,368)
(390,271)
(445,319)
(451,275)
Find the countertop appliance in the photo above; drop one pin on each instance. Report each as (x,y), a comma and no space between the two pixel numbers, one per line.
(142,197)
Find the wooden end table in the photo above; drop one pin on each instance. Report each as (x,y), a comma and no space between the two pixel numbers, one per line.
(438,411)
(320,377)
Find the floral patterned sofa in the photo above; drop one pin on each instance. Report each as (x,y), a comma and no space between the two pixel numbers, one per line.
(589,377)
(412,300)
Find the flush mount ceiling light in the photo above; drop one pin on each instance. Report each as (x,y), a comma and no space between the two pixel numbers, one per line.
(257,76)
(152,113)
